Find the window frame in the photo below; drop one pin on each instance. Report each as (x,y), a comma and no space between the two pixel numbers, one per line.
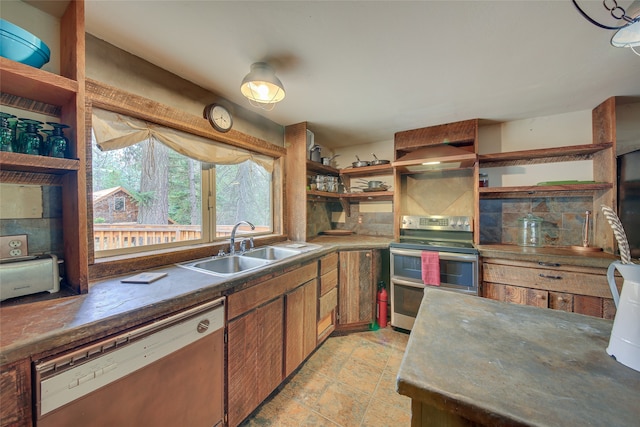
(122,102)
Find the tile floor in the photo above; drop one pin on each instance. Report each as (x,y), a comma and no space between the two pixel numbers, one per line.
(348,382)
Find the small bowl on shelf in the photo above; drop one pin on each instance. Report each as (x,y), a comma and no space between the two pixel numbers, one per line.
(21,46)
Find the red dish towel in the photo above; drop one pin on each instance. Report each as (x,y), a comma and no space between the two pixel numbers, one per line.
(430,268)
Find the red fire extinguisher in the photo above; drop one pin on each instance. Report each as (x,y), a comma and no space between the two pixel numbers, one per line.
(381,300)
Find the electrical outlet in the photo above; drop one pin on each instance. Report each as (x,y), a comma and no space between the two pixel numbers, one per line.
(13,246)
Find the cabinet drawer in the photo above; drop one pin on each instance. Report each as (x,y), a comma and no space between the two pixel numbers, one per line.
(549,279)
(328,302)
(250,298)
(328,281)
(328,263)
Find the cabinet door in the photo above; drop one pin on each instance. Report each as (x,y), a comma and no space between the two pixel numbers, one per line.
(561,301)
(357,286)
(242,392)
(15,394)
(300,324)
(254,362)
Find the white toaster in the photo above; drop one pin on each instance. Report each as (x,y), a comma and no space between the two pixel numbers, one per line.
(18,278)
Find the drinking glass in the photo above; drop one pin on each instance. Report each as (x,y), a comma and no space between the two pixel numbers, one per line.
(30,139)
(58,143)
(7,132)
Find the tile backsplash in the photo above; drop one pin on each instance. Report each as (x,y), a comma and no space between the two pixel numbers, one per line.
(563,219)
(368,222)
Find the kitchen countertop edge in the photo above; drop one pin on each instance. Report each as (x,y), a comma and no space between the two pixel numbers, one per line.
(39,328)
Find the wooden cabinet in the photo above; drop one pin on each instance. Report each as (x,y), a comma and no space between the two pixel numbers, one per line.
(256,336)
(300,324)
(60,97)
(327,296)
(358,275)
(583,290)
(254,361)
(15,394)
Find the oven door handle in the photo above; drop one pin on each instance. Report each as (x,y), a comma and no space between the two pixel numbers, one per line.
(416,284)
(448,256)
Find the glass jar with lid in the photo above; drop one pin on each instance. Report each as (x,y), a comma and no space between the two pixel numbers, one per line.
(530,230)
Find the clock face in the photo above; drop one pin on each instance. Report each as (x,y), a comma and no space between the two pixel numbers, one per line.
(220,118)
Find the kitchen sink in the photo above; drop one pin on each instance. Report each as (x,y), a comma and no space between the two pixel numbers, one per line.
(271,253)
(251,260)
(228,265)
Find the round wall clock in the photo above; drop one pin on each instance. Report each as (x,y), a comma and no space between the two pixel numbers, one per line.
(219,117)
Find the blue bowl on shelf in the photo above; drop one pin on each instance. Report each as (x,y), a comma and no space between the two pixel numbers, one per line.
(22,46)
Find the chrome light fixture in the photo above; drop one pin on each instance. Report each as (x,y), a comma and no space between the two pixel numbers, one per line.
(628,33)
(261,86)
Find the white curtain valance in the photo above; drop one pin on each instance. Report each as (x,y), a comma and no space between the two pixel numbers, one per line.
(114,131)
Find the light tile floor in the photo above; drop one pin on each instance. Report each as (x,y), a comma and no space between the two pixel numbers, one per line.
(349,381)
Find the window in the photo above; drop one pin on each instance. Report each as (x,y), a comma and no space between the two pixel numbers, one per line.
(156,193)
(118,204)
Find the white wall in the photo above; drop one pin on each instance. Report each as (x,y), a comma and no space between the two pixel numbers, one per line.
(537,133)
(42,25)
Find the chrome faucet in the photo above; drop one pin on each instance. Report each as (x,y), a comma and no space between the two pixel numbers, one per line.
(232,240)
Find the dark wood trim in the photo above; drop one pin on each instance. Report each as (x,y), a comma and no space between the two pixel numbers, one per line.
(119,101)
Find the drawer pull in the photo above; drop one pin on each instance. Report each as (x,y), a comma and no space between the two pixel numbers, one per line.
(551,277)
(549,264)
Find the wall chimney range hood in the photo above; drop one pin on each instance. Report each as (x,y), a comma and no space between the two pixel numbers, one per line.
(435,158)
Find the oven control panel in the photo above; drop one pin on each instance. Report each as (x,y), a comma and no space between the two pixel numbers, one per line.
(437,222)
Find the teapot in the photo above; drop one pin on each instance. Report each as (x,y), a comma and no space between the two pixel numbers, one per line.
(624,343)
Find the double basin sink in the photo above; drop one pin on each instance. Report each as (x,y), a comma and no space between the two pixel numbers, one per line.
(229,265)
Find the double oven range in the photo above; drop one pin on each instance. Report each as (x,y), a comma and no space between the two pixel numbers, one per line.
(452,238)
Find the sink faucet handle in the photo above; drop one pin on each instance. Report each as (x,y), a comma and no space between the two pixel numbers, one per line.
(221,252)
(251,242)
(243,245)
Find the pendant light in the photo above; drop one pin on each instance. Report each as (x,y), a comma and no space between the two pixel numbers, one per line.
(629,35)
(628,32)
(261,86)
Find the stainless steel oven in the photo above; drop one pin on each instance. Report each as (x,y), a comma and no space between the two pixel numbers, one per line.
(452,239)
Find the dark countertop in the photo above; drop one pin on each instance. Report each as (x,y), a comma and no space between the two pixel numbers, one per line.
(111,306)
(548,255)
(505,364)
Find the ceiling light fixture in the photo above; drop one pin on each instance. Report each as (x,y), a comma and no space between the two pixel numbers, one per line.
(261,86)
(627,34)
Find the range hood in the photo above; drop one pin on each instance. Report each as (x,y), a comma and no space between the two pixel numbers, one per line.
(436,158)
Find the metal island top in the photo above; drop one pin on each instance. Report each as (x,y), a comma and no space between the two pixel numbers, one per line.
(474,361)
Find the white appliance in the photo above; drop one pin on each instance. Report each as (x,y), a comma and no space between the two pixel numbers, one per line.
(624,343)
(30,276)
(167,373)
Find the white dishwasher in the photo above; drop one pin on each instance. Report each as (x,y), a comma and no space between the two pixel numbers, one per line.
(169,373)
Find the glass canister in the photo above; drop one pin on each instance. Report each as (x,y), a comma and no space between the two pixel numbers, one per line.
(530,230)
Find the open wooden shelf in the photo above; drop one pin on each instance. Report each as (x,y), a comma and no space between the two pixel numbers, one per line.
(38,164)
(543,190)
(320,168)
(32,83)
(377,195)
(367,171)
(543,155)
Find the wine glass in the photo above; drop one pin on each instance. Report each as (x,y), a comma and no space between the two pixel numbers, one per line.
(30,139)
(58,143)
(7,132)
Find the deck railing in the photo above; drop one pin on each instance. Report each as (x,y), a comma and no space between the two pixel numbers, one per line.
(117,236)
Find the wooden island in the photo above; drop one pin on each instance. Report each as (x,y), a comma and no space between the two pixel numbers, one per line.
(473,361)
